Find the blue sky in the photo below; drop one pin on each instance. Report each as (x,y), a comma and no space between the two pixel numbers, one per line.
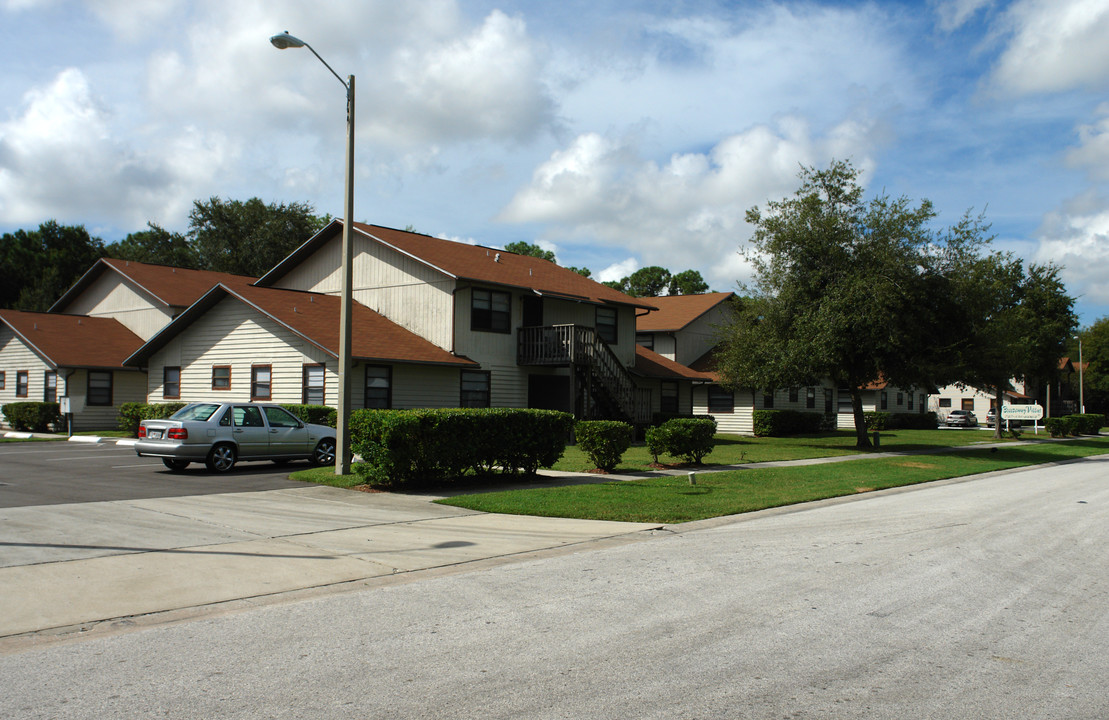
(618,134)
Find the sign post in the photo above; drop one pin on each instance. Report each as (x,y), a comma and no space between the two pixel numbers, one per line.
(1023,412)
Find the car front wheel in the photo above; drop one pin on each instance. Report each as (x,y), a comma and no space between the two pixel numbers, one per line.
(324,454)
(175,465)
(221,459)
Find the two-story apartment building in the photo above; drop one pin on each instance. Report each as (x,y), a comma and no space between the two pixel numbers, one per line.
(77,349)
(438,323)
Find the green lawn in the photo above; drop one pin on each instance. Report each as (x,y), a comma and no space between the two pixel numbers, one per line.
(735,450)
(674,500)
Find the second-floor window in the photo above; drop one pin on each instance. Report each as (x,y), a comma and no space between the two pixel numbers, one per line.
(607,328)
(646,340)
(491,311)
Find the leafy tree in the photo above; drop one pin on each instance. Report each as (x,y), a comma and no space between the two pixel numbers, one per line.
(524,248)
(688,282)
(847,290)
(38,266)
(1095,353)
(250,237)
(155,245)
(583,271)
(653,281)
(1019,323)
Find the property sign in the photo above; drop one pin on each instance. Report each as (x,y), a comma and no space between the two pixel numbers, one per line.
(1022,412)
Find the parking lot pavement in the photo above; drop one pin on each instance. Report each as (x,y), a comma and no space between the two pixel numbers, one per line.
(92,534)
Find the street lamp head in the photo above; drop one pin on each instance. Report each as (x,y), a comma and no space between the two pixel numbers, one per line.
(284,40)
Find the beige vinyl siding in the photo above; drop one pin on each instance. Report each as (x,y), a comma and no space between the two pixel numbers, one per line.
(234,334)
(127,386)
(15,356)
(402,289)
(739,422)
(414,386)
(111,296)
(666,345)
(698,337)
(508,386)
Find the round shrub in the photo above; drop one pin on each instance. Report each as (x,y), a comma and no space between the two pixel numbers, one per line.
(604,441)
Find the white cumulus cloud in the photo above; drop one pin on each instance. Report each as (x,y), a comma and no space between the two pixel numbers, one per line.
(1077,237)
(1055,45)
(686,213)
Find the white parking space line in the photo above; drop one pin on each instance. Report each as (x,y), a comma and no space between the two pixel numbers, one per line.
(85,457)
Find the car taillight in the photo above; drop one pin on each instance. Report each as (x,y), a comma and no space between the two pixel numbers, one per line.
(177,434)
(142,431)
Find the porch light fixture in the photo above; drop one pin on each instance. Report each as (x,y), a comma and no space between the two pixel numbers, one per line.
(283,41)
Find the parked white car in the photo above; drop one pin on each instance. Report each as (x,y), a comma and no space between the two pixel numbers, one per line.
(219,434)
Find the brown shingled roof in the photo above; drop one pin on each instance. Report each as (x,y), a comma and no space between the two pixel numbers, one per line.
(172,286)
(315,317)
(649,363)
(677,311)
(473,263)
(73,341)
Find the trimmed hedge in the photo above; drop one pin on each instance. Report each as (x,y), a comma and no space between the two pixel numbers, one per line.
(604,441)
(689,439)
(776,423)
(1088,424)
(315,414)
(131,414)
(876,420)
(913,421)
(400,447)
(32,416)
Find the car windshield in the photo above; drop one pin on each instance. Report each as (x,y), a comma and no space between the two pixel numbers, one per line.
(199,411)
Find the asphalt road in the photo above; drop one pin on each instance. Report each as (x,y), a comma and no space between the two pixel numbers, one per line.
(978,599)
(58,472)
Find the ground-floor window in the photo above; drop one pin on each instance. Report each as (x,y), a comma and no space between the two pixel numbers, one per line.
(221,377)
(99,388)
(313,387)
(810,398)
(475,389)
(379,387)
(261,382)
(968,404)
(945,402)
(21,383)
(50,386)
(768,400)
(910,402)
(171,382)
(721,400)
(668,396)
(3,379)
(885,400)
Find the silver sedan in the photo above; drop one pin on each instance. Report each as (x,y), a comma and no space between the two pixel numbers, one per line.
(220,434)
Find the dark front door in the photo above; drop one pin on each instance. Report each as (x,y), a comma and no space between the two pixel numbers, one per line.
(550,392)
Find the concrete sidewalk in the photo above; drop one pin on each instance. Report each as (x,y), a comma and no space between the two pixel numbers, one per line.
(67,568)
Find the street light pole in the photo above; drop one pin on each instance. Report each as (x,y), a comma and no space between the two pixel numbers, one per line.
(342,430)
(1081,378)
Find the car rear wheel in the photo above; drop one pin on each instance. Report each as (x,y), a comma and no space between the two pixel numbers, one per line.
(221,458)
(175,465)
(324,454)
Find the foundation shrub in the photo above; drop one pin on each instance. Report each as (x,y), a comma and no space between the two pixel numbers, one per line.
(604,441)
(689,439)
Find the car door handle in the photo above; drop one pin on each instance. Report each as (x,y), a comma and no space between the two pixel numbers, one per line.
(273,431)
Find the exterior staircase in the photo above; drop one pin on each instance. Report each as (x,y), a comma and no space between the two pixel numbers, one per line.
(605,388)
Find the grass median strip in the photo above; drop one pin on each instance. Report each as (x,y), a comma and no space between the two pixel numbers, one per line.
(674,500)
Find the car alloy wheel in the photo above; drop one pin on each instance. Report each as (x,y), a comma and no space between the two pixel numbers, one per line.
(324,454)
(221,458)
